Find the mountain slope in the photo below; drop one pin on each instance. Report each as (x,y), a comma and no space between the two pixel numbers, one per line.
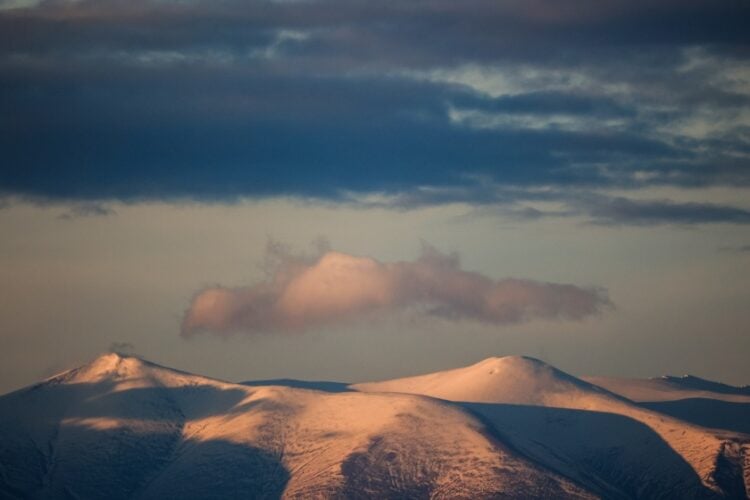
(702,402)
(121,427)
(670,388)
(511,379)
(578,428)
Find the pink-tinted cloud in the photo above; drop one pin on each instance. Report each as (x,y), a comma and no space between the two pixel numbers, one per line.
(335,287)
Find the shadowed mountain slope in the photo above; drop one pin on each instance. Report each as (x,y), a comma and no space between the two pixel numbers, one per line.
(670,388)
(693,399)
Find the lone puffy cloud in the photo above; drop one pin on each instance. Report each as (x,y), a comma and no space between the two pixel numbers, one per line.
(336,287)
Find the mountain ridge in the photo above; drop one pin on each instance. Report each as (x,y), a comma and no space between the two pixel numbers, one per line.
(124,427)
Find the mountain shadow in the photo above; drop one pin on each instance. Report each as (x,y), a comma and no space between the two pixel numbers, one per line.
(712,413)
(614,455)
(82,443)
(701,384)
(315,385)
(123,464)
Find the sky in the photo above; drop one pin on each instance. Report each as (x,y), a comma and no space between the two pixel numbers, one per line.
(352,190)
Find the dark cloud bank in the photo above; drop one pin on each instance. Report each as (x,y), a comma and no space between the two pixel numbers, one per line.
(332,99)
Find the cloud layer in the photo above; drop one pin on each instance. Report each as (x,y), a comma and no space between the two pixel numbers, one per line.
(335,99)
(337,287)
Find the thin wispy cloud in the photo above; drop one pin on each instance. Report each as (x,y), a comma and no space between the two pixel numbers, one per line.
(335,288)
(122,347)
(624,211)
(736,249)
(595,208)
(86,210)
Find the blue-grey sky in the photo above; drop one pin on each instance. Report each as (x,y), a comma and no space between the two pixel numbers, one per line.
(568,180)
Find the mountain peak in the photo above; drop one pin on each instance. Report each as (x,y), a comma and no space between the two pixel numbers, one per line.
(508,379)
(110,365)
(114,359)
(114,367)
(517,367)
(118,368)
(514,362)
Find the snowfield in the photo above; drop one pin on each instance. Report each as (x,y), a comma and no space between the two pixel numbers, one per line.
(514,427)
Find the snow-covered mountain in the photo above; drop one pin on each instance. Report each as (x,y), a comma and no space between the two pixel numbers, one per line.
(121,427)
(670,388)
(702,402)
(603,441)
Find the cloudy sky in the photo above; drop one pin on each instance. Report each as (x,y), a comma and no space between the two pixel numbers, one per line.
(342,189)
